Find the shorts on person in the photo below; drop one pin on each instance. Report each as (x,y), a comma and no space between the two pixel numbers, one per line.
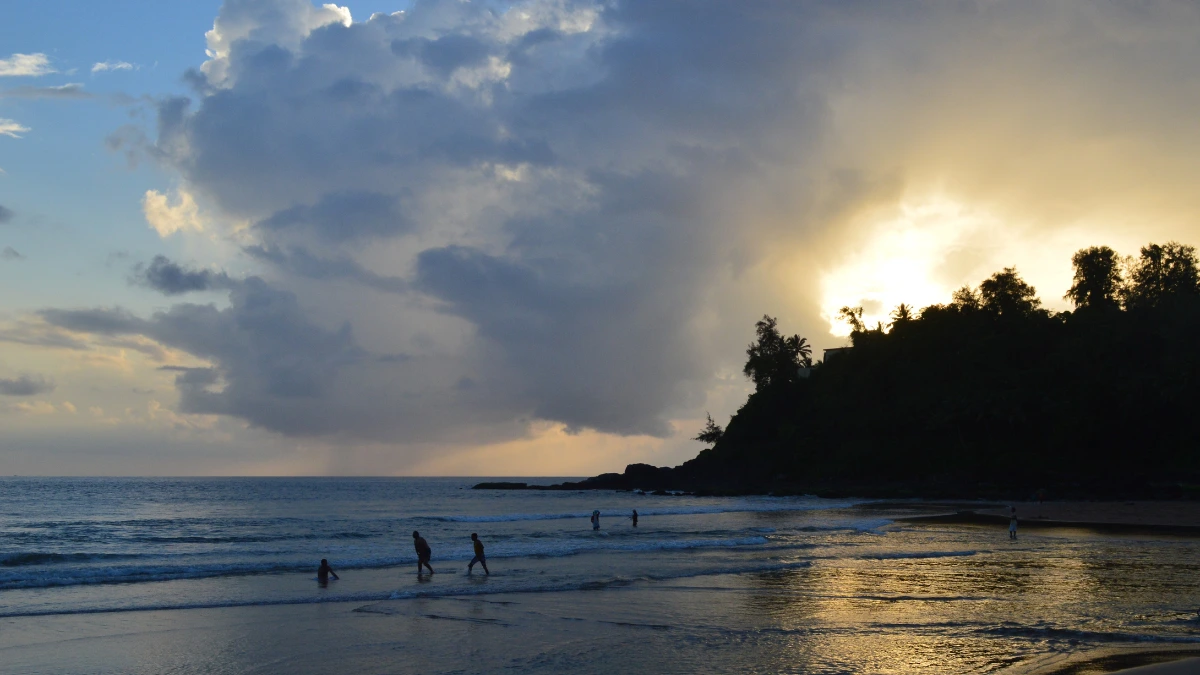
(479,558)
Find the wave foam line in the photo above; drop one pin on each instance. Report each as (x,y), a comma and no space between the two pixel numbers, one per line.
(76,576)
(444,592)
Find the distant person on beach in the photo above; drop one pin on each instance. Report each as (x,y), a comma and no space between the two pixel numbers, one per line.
(325,571)
(423,552)
(596,519)
(634,517)
(1012,524)
(479,557)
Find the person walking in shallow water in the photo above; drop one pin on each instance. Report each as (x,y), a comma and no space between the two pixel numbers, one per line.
(424,553)
(596,519)
(479,557)
(1012,524)
(634,517)
(324,572)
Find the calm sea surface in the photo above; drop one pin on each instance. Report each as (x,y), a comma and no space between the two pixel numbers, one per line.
(702,584)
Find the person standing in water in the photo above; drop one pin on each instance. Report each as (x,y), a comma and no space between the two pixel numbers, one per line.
(1012,524)
(479,557)
(324,572)
(596,519)
(634,517)
(423,552)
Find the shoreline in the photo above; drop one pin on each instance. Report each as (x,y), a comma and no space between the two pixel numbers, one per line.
(1166,517)
(1182,661)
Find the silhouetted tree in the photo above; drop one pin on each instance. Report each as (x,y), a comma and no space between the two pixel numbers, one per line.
(902,313)
(1161,272)
(773,358)
(853,316)
(1097,281)
(965,299)
(1006,294)
(712,432)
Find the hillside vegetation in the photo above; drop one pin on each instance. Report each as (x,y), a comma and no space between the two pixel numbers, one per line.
(987,395)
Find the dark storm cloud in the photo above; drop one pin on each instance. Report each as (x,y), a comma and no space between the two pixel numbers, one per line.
(299,261)
(170,278)
(26,385)
(279,370)
(344,215)
(444,55)
(583,192)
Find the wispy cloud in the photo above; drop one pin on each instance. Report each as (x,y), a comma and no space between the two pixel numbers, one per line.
(25,65)
(10,253)
(11,128)
(104,66)
(72,90)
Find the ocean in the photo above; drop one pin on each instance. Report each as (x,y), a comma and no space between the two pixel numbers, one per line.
(770,584)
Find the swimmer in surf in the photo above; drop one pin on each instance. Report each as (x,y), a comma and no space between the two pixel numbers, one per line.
(324,572)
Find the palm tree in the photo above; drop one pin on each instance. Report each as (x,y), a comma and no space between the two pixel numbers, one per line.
(902,313)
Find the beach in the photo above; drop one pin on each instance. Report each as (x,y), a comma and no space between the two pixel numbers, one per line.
(215,576)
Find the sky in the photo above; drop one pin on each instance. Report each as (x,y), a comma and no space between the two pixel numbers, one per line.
(531,238)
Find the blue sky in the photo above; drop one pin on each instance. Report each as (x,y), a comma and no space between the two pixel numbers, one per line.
(529,237)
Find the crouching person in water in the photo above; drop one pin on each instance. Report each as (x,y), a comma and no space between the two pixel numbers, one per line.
(479,557)
(424,553)
(324,572)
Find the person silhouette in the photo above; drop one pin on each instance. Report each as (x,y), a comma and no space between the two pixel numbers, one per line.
(324,572)
(634,517)
(596,519)
(479,557)
(1012,524)
(423,552)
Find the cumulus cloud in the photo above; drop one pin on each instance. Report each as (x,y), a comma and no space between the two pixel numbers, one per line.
(167,218)
(581,207)
(72,90)
(26,385)
(105,66)
(25,65)
(11,128)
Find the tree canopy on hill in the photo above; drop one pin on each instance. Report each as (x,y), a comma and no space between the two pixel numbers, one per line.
(990,394)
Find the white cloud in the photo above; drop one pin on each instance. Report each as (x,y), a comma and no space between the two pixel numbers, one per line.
(167,219)
(25,65)
(112,65)
(11,128)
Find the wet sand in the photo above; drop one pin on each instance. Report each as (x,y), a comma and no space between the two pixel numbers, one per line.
(1182,667)
(1178,517)
(1154,514)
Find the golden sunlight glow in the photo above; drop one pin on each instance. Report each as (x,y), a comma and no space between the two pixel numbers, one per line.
(919,257)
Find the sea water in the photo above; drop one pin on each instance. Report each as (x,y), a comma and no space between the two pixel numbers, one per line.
(787,584)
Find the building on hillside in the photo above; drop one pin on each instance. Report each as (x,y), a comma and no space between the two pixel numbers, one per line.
(835,352)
